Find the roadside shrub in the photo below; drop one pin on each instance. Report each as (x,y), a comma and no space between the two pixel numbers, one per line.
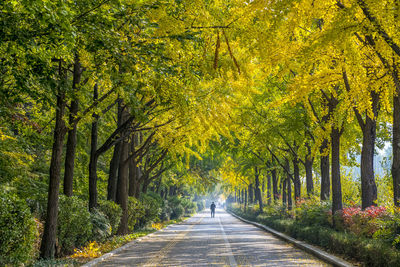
(177,208)
(152,209)
(101,226)
(166,211)
(365,222)
(113,212)
(189,206)
(74,227)
(17,231)
(177,212)
(313,212)
(200,205)
(135,212)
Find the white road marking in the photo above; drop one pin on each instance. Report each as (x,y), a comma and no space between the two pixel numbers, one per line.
(232,261)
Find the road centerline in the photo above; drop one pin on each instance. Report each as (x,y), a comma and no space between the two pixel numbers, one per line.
(232,261)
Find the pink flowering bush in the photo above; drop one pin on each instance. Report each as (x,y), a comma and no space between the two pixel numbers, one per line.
(364,222)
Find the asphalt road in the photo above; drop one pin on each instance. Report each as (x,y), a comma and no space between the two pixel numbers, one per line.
(220,241)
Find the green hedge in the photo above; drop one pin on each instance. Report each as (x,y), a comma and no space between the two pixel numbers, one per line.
(113,212)
(74,224)
(17,231)
(370,252)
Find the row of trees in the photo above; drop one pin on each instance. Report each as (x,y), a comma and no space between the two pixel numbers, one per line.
(327,89)
(107,97)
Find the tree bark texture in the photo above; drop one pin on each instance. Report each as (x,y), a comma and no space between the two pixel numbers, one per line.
(93,157)
(336,183)
(396,139)
(251,197)
(275,185)
(368,186)
(296,182)
(308,163)
(47,248)
(325,179)
(71,139)
(122,185)
(258,191)
(269,189)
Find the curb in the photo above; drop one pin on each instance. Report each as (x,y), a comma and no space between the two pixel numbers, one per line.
(335,261)
(126,246)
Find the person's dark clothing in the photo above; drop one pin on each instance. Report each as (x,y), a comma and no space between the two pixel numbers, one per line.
(212,207)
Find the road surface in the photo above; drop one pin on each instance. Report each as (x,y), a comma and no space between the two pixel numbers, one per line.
(220,241)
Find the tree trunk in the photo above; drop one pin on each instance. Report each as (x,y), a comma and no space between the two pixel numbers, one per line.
(275,185)
(269,189)
(284,197)
(71,140)
(296,182)
(158,187)
(308,163)
(132,169)
(396,139)
(113,175)
(336,184)
(146,182)
(122,185)
(368,186)
(93,157)
(258,192)
(251,198)
(47,248)
(325,182)
(245,199)
(289,194)
(289,186)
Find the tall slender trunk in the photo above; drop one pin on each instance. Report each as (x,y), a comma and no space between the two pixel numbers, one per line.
(308,162)
(47,248)
(245,199)
(275,185)
(396,138)
(289,194)
(296,182)
(289,186)
(251,197)
(258,192)
(113,175)
(71,139)
(336,183)
(158,187)
(269,189)
(235,195)
(284,197)
(146,182)
(132,170)
(325,182)
(122,185)
(368,185)
(93,157)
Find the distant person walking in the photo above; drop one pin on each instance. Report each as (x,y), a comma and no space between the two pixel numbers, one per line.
(212,207)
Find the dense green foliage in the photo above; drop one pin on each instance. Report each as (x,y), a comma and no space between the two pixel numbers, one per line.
(74,224)
(101,226)
(17,230)
(113,212)
(151,103)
